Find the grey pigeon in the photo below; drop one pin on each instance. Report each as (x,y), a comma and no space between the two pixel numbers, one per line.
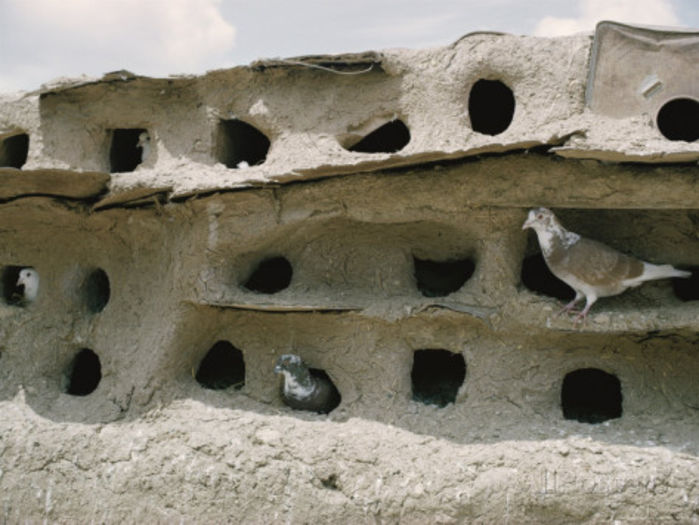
(304,388)
(590,268)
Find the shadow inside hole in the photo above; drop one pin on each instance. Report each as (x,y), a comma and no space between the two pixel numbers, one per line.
(678,119)
(14,151)
(440,278)
(124,153)
(12,293)
(389,138)
(437,376)
(687,289)
(537,277)
(223,366)
(96,291)
(84,373)
(491,107)
(333,394)
(330,482)
(240,142)
(590,395)
(270,276)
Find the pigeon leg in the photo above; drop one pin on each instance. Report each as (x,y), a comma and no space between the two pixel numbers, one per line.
(571,305)
(582,316)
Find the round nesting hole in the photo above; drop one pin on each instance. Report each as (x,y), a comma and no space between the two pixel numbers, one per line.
(14,151)
(678,119)
(389,138)
(96,291)
(240,144)
(591,395)
(223,366)
(20,285)
(437,376)
(537,278)
(491,107)
(687,289)
(270,276)
(440,278)
(84,373)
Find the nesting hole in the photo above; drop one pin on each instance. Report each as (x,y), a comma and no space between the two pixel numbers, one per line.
(678,119)
(84,373)
(591,395)
(240,142)
(440,278)
(14,151)
(125,154)
(334,397)
(12,293)
(687,289)
(491,106)
(437,376)
(223,366)
(270,276)
(96,291)
(389,138)
(331,482)
(537,277)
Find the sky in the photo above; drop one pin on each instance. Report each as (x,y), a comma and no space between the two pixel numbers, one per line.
(41,40)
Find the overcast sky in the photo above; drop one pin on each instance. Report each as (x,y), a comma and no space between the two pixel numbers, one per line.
(44,39)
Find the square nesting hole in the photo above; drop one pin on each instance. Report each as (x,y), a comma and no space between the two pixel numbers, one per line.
(437,376)
(14,150)
(129,147)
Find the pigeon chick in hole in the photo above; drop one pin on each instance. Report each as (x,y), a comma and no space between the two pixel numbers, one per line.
(306,388)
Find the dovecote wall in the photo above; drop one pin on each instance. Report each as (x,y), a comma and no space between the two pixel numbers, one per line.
(363,211)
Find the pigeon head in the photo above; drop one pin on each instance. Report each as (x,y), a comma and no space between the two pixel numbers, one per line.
(143,139)
(28,279)
(27,276)
(289,363)
(541,219)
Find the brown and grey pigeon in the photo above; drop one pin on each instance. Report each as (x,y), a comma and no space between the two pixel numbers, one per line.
(590,268)
(304,388)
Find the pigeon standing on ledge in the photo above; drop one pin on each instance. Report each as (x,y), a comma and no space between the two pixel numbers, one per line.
(28,280)
(590,268)
(304,390)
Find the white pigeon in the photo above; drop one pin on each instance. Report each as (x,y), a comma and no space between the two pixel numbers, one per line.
(144,144)
(590,268)
(29,280)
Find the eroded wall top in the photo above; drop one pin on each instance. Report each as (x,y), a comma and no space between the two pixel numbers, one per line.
(623,94)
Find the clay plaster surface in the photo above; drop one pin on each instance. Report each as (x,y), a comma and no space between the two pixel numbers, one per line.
(178,236)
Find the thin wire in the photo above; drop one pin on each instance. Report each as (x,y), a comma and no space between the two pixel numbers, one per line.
(322,68)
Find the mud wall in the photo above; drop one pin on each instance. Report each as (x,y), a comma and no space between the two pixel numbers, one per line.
(139,383)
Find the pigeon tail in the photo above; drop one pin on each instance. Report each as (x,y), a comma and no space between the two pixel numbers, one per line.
(654,271)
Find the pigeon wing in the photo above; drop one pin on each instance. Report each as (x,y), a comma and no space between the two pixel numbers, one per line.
(595,264)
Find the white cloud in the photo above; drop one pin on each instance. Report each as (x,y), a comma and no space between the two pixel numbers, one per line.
(649,12)
(155,37)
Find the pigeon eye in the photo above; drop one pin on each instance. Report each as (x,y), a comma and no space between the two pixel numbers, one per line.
(540,216)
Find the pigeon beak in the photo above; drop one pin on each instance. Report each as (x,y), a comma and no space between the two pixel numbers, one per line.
(527,224)
(277,369)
